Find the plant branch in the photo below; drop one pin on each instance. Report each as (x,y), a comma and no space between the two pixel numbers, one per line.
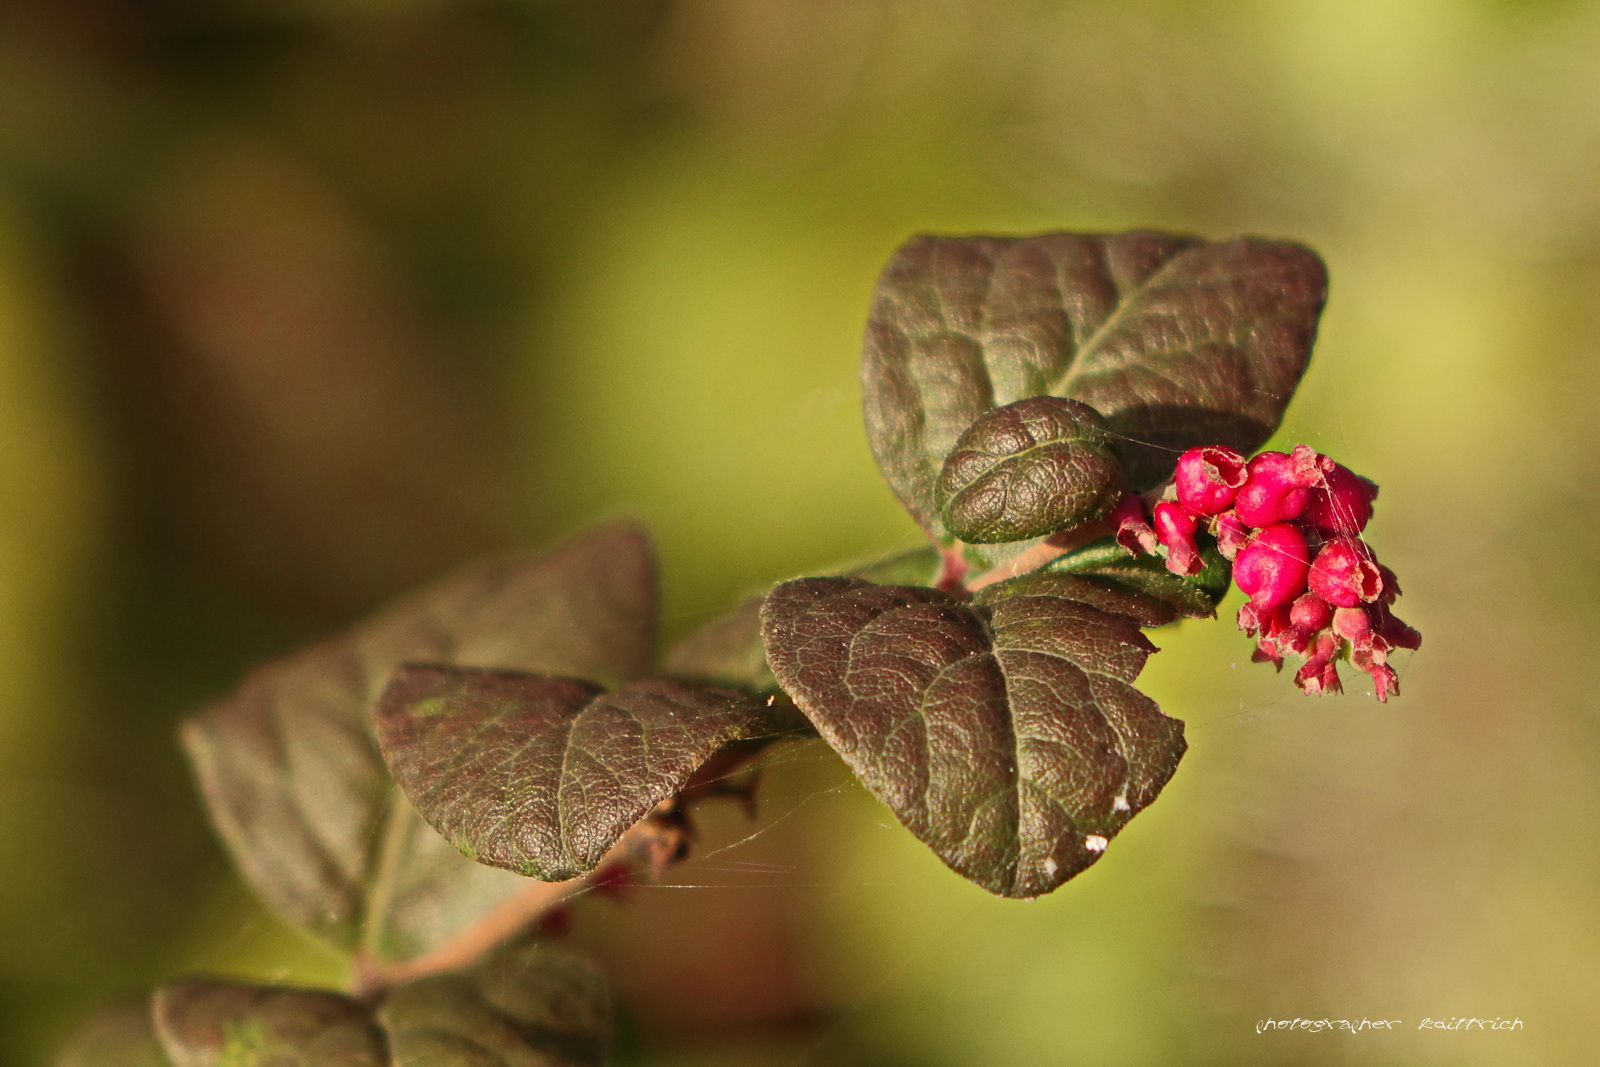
(1039,555)
(654,843)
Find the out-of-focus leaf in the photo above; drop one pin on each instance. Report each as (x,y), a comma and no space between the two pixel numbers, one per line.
(291,771)
(1004,732)
(1029,468)
(727,651)
(527,1006)
(917,566)
(117,1037)
(205,1022)
(543,775)
(1176,341)
(1154,595)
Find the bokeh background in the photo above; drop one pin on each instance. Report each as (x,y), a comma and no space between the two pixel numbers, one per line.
(302,301)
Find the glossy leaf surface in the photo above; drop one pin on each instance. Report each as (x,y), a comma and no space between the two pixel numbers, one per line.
(527,1006)
(542,775)
(205,1022)
(1029,468)
(1003,732)
(291,772)
(1175,341)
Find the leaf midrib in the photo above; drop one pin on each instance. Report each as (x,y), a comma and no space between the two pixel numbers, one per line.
(1083,352)
(1014,780)
(385,872)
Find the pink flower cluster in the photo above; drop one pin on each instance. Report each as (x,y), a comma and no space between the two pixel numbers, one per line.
(1291,523)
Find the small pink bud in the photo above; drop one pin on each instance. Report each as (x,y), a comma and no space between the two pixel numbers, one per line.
(1274,626)
(1267,651)
(1311,613)
(1314,680)
(1232,535)
(1388,627)
(1277,487)
(1319,674)
(1271,569)
(1132,525)
(1355,626)
(1310,466)
(1296,640)
(1391,585)
(1385,683)
(1345,574)
(1293,627)
(1315,589)
(1209,478)
(1342,504)
(1175,530)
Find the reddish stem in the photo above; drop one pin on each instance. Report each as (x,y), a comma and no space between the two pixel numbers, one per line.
(654,841)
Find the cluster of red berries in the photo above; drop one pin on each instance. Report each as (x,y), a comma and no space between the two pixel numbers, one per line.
(1291,523)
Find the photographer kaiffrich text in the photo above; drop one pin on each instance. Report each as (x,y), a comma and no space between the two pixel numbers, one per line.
(1357,1026)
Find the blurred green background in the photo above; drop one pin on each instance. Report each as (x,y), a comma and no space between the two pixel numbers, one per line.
(302,301)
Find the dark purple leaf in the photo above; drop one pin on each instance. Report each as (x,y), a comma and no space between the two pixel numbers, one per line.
(1034,467)
(527,1006)
(205,1022)
(292,774)
(1176,341)
(543,775)
(1004,732)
